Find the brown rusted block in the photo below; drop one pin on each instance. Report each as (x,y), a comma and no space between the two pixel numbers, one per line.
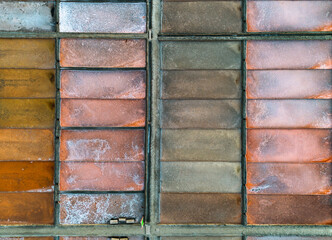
(102,113)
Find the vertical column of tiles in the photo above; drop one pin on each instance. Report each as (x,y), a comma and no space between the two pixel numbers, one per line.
(289,132)
(103,111)
(201,137)
(27,115)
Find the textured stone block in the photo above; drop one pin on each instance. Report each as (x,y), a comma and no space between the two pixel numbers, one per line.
(27,113)
(100,238)
(201,114)
(102,145)
(200,208)
(201,145)
(289,178)
(289,84)
(113,53)
(27,16)
(288,209)
(107,17)
(103,84)
(92,176)
(26,145)
(289,114)
(26,238)
(201,84)
(26,208)
(26,176)
(100,208)
(27,53)
(102,113)
(203,238)
(210,177)
(210,17)
(289,55)
(201,55)
(296,145)
(288,238)
(282,16)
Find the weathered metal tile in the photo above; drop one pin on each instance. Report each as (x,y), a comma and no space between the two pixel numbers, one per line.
(107,17)
(289,209)
(295,145)
(201,55)
(199,208)
(26,208)
(27,53)
(102,145)
(27,113)
(27,16)
(103,84)
(201,114)
(116,53)
(289,84)
(201,84)
(289,54)
(201,145)
(26,176)
(101,176)
(102,113)
(289,178)
(282,16)
(210,177)
(210,17)
(100,208)
(25,145)
(289,114)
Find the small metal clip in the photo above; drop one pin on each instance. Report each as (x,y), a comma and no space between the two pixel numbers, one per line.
(124,238)
(130,220)
(122,220)
(114,221)
(115,238)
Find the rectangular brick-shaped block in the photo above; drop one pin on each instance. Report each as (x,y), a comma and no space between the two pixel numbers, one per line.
(27,113)
(288,238)
(200,208)
(100,238)
(26,176)
(102,145)
(283,16)
(26,145)
(92,176)
(26,238)
(100,208)
(102,113)
(27,53)
(315,84)
(211,17)
(295,145)
(103,84)
(289,114)
(27,16)
(220,177)
(116,53)
(26,208)
(26,83)
(201,84)
(288,209)
(201,114)
(289,54)
(289,178)
(203,238)
(108,17)
(201,55)
(201,145)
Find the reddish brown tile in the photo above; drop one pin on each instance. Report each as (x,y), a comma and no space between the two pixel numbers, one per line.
(289,114)
(289,178)
(198,208)
(26,208)
(91,176)
(289,84)
(102,53)
(102,113)
(102,145)
(106,84)
(289,55)
(288,209)
(100,208)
